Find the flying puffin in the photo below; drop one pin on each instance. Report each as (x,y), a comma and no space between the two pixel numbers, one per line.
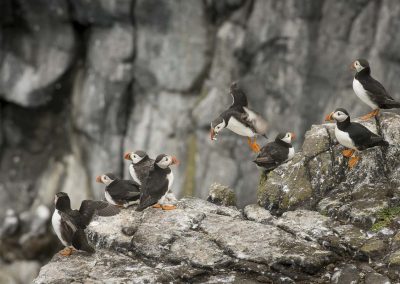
(69,224)
(240,119)
(140,167)
(369,90)
(158,183)
(277,152)
(353,135)
(119,192)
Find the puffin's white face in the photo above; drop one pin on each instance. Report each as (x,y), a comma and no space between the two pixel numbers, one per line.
(357,65)
(106,180)
(215,129)
(339,116)
(288,137)
(167,161)
(135,158)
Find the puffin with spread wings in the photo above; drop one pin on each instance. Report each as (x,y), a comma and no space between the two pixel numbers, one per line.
(69,225)
(240,119)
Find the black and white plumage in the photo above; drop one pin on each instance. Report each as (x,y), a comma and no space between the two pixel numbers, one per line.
(158,183)
(369,90)
(69,224)
(240,119)
(353,135)
(277,152)
(119,192)
(141,165)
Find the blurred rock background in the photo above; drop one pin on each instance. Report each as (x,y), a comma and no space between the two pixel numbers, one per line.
(82,81)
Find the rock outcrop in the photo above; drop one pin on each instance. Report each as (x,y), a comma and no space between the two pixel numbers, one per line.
(201,242)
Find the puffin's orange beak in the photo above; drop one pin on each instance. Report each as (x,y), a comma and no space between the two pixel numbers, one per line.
(293,136)
(329,117)
(212,134)
(352,67)
(127,156)
(98,179)
(175,161)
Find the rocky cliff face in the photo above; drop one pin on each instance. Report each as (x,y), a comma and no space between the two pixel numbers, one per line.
(83,81)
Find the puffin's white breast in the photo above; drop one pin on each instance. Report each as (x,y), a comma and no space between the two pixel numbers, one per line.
(290,154)
(108,198)
(239,128)
(344,138)
(56,222)
(362,94)
(132,172)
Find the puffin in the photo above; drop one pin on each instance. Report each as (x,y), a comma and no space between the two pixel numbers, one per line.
(240,119)
(140,166)
(69,225)
(158,184)
(277,152)
(119,192)
(369,90)
(353,136)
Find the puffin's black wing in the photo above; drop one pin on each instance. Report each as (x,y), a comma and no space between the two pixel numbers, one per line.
(155,187)
(69,225)
(124,190)
(80,242)
(90,207)
(378,93)
(363,138)
(238,96)
(271,155)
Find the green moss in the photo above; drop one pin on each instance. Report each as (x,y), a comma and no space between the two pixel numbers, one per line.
(385,217)
(190,174)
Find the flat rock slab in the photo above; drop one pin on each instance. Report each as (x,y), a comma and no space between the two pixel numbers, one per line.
(199,240)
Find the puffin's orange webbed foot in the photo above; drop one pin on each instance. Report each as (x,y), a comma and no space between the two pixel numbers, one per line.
(253,145)
(347,153)
(353,161)
(370,114)
(168,207)
(157,206)
(66,251)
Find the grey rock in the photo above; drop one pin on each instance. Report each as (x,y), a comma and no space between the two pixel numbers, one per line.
(19,272)
(376,278)
(192,238)
(176,51)
(258,214)
(319,178)
(221,195)
(346,274)
(33,61)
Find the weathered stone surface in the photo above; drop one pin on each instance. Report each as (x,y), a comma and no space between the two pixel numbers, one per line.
(172,48)
(34,60)
(258,214)
(319,178)
(196,237)
(221,195)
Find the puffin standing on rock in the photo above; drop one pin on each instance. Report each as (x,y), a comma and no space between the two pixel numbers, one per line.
(158,184)
(369,90)
(277,152)
(353,135)
(69,225)
(122,193)
(240,119)
(140,167)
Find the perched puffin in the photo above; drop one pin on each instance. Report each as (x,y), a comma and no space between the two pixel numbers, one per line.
(158,183)
(369,90)
(69,224)
(240,119)
(140,167)
(353,135)
(277,152)
(119,192)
